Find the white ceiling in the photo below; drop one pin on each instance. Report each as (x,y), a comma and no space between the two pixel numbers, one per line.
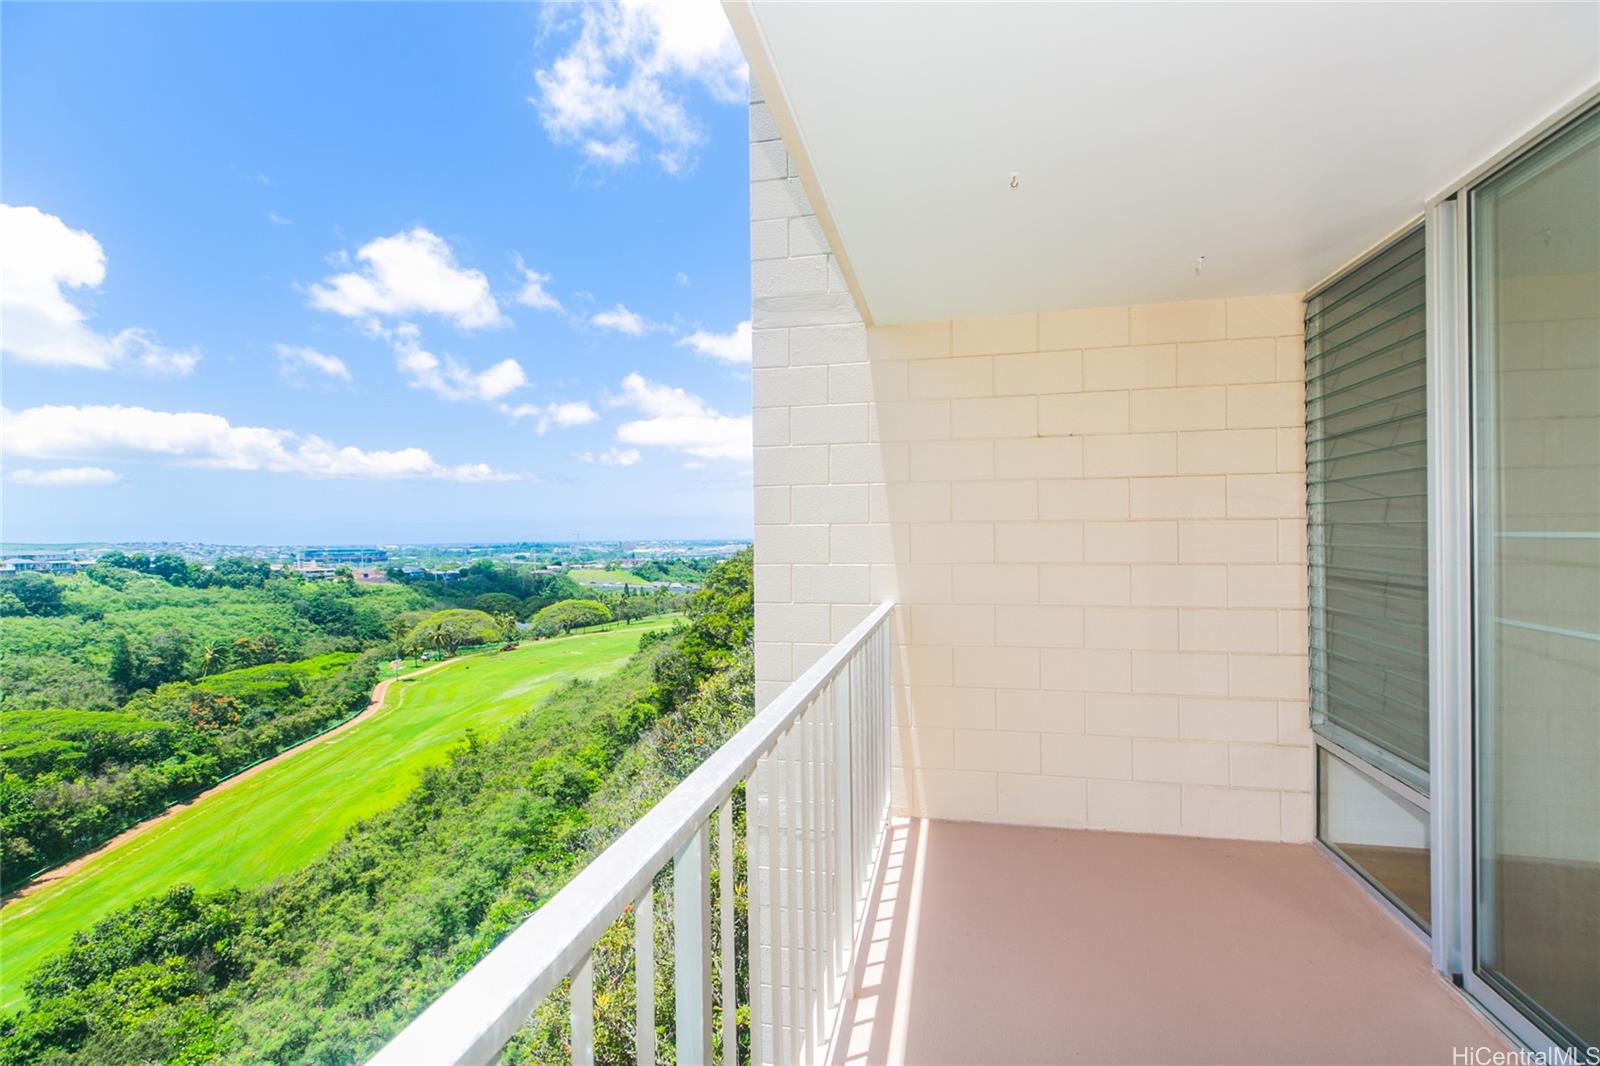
(1276,140)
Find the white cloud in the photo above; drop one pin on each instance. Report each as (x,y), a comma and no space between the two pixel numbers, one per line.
(730,347)
(278,220)
(67,476)
(293,360)
(683,279)
(615,153)
(448,378)
(192,438)
(681,421)
(624,77)
(408,273)
(612,457)
(41,257)
(563,414)
(533,293)
(623,320)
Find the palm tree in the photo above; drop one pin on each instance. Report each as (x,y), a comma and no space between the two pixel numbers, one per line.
(211,656)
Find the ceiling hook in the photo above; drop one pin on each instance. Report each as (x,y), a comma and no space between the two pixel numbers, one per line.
(1014,181)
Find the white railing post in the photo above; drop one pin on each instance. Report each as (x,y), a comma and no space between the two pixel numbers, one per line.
(775,860)
(886,726)
(644,978)
(691,950)
(730,974)
(752,917)
(582,997)
(794,901)
(844,848)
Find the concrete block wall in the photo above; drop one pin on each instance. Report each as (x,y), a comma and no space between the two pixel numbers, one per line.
(1093,521)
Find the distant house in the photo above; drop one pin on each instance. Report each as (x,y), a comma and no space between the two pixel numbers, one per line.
(346,556)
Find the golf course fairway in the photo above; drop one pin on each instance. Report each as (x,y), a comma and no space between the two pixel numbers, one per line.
(291,810)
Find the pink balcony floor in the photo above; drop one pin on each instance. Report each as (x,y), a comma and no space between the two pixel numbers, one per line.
(998,944)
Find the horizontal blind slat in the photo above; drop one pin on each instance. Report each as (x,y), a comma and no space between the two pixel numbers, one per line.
(1366,380)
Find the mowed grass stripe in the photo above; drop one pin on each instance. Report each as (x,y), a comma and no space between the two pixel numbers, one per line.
(294,809)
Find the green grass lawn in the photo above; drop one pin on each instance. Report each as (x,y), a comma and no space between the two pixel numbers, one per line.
(294,809)
(606,577)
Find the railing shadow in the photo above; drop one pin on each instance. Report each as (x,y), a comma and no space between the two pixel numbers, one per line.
(872,1023)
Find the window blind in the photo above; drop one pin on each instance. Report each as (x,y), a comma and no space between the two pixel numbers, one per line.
(1366,488)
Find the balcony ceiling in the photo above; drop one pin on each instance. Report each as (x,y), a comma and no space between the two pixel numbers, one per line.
(1277,141)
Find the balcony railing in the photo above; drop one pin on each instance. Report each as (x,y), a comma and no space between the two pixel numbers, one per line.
(813,770)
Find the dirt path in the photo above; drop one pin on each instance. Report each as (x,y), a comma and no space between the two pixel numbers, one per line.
(380,692)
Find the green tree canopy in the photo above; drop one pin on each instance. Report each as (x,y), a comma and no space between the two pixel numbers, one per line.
(38,594)
(498,603)
(564,617)
(450,630)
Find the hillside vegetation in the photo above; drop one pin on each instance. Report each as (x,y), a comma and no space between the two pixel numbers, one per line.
(325,963)
(293,810)
(70,779)
(112,631)
(210,670)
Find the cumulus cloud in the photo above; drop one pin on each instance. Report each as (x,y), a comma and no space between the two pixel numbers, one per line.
(294,361)
(612,457)
(414,272)
(448,377)
(66,476)
(731,347)
(40,258)
(193,438)
(622,320)
(532,293)
(563,414)
(623,79)
(680,421)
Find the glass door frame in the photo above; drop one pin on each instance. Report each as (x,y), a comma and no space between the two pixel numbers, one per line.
(1453,588)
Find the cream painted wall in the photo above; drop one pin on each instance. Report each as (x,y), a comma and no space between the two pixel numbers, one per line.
(1093,522)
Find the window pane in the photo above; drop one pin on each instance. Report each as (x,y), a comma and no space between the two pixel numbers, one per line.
(1377,832)
(1536,337)
(1366,479)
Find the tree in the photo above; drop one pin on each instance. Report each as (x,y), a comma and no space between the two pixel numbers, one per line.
(172,567)
(146,662)
(124,561)
(564,617)
(450,630)
(632,608)
(38,594)
(498,603)
(213,654)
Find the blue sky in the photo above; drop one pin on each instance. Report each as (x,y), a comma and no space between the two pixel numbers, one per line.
(320,273)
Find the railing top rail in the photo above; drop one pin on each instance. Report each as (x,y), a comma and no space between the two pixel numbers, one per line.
(477,1015)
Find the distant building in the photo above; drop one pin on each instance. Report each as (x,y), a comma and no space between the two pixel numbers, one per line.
(345,556)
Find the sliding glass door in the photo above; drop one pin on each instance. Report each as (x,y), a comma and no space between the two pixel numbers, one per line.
(1534,236)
